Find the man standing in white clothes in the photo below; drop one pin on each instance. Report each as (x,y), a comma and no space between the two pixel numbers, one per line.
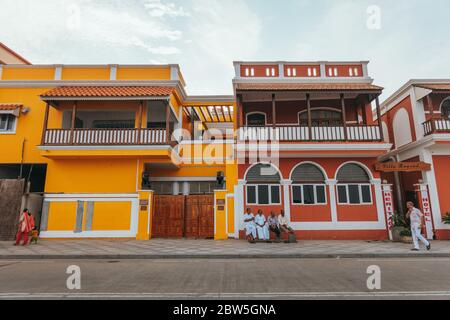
(417,218)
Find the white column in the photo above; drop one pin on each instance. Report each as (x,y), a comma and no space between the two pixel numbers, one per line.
(1,71)
(323,70)
(287,198)
(113,72)
(379,201)
(365,70)
(176,188)
(238,207)
(58,73)
(333,202)
(281,70)
(186,188)
(429,178)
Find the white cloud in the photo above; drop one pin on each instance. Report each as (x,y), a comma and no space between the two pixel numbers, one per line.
(158,9)
(221,31)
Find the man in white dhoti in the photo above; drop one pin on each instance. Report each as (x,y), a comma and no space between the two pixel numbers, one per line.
(261,226)
(249,225)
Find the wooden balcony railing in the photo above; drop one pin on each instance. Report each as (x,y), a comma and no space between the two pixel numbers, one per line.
(364,133)
(436,126)
(105,137)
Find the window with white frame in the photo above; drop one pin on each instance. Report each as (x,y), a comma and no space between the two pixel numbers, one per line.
(7,123)
(308,186)
(354,187)
(263,194)
(263,185)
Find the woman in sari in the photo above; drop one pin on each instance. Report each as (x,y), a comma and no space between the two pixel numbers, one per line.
(25,226)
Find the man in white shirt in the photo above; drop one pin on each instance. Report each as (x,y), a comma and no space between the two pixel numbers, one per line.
(249,225)
(417,218)
(284,223)
(262,227)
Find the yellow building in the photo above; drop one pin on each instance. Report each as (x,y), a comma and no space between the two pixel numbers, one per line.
(112,150)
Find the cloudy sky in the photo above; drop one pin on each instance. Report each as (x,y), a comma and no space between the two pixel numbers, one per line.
(403,39)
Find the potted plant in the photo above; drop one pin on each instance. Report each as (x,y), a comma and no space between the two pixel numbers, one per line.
(406,235)
(446,220)
(400,227)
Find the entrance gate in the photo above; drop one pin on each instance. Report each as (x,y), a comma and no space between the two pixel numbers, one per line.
(183,217)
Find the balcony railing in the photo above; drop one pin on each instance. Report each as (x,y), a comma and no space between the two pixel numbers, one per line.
(300,133)
(105,137)
(436,126)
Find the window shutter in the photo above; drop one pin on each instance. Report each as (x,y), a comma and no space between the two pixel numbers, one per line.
(353,173)
(307,173)
(263,173)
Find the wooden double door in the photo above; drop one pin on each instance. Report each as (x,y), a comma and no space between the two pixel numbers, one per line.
(183,217)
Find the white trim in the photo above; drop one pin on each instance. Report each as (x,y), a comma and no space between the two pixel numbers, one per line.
(1,71)
(183,179)
(86,234)
(58,73)
(271,203)
(359,185)
(314,185)
(106,148)
(338,226)
(238,207)
(113,72)
(134,215)
(242,146)
(14,130)
(287,199)
(333,202)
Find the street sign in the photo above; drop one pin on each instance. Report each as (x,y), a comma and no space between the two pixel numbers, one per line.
(403,167)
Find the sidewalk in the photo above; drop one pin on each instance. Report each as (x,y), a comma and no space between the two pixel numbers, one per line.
(203,249)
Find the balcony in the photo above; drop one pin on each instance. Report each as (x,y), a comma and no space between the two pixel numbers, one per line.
(361,133)
(105,137)
(436,126)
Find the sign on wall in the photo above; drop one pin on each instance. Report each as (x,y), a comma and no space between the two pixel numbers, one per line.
(403,167)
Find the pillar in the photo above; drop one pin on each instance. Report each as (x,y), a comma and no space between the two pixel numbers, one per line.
(333,201)
(220,215)
(423,198)
(388,200)
(286,184)
(238,207)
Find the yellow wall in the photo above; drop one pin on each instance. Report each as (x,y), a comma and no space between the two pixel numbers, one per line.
(29,126)
(126,73)
(91,176)
(62,216)
(111,216)
(73,73)
(28,73)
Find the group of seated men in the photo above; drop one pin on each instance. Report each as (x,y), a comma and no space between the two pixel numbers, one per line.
(259,228)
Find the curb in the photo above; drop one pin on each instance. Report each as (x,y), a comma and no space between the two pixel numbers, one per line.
(223,256)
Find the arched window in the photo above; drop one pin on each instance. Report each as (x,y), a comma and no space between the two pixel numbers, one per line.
(263,185)
(321,117)
(256,119)
(308,185)
(445,110)
(354,187)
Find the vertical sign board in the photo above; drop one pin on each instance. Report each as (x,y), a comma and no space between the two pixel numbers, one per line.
(426,208)
(389,208)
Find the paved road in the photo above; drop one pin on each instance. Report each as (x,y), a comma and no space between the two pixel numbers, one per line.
(228,279)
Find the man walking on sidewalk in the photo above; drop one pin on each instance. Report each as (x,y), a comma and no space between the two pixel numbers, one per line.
(416,217)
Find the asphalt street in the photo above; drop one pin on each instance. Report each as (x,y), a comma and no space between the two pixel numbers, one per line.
(260,279)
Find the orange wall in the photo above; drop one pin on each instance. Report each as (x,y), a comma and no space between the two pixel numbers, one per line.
(389,116)
(302,70)
(343,70)
(442,174)
(311,213)
(260,70)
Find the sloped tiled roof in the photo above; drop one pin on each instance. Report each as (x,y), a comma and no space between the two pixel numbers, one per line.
(9,107)
(111,91)
(307,86)
(436,87)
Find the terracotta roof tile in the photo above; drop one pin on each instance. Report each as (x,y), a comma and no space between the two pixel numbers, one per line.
(437,86)
(9,107)
(307,86)
(97,91)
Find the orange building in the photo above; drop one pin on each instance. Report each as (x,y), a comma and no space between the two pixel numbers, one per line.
(416,120)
